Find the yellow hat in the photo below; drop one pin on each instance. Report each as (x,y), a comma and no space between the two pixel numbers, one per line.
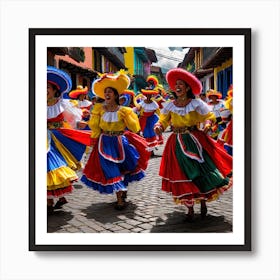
(212,92)
(119,81)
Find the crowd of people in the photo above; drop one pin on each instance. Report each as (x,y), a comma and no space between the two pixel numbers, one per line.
(120,130)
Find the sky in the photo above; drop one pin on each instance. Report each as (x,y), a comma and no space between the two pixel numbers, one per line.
(169,57)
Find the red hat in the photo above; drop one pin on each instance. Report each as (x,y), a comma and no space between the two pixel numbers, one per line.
(128,91)
(80,90)
(152,78)
(180,74)
(149,91)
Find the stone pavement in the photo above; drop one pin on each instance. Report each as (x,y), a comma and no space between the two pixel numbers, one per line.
(149,210)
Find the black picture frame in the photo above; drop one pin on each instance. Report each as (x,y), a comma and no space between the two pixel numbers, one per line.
(35,33)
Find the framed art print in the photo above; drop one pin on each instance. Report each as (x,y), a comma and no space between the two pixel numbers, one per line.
(153,219)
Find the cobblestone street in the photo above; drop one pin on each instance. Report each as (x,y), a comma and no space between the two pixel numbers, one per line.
(149,210)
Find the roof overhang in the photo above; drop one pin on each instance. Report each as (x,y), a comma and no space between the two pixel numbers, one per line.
(72,68)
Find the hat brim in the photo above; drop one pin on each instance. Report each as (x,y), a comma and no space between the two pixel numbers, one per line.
(77,92)
(118,82)
(149,91)
(218,94)
(128,91)
(180,74)
(59,78)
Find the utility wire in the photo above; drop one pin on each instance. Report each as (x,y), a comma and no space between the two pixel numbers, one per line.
(170,57)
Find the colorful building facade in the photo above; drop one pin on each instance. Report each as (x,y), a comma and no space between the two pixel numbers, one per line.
(212,65)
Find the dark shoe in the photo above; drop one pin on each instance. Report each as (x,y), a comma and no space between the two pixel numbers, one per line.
(59,203)
(203,212)
(50,210)
(124,195)
(190,215)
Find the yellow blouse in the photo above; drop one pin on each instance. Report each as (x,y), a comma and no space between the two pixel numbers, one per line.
(101,120)
(195,112)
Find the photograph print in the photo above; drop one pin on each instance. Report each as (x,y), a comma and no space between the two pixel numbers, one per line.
(139,134)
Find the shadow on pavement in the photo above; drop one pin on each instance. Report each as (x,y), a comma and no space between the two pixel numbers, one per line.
(57,220)
(106,213)
(177,222)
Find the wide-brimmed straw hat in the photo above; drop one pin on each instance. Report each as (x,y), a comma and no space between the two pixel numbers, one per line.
(80,90)
(149,91)
(119,81)
(59,78)
(180,74)
(212,92)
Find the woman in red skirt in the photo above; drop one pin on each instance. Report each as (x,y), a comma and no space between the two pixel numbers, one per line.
(193,168)
(119,155)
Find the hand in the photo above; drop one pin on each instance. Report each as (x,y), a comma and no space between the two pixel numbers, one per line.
(158,130)
(81,125)
(206,129)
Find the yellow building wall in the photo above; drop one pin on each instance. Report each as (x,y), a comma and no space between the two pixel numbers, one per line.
(129,60)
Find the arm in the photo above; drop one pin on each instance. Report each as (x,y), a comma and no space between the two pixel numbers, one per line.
(163,123)
(94,121)
(130,119)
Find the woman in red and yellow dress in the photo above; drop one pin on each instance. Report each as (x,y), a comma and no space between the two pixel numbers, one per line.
(193,168)
(119,155)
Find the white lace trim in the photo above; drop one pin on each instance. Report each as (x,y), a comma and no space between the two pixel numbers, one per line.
(84,103)
(110,116)
(54,110)
(195,105)
(216,109)
(149,107)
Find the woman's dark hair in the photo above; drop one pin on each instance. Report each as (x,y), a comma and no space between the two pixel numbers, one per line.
(116,94)
(189,92)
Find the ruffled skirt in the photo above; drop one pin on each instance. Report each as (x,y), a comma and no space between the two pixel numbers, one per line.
(194,168)
(227,138)
(115,162)
(65,148)
(147,123)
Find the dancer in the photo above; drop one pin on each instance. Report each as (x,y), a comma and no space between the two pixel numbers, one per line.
(193,168)
(119,156)
(65,145)
(80,95)
(226,138)
(217,106)
(148,116)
